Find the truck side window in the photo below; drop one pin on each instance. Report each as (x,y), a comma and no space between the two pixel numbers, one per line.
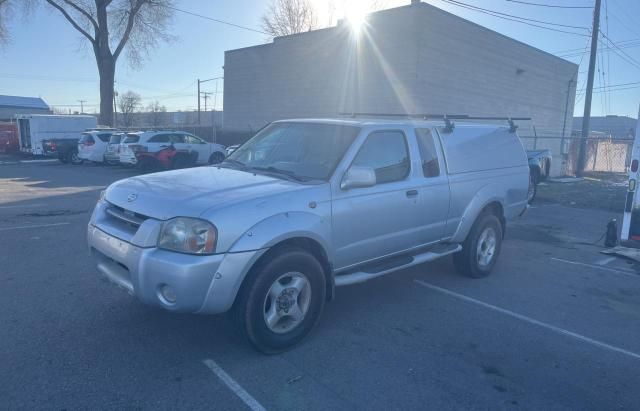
(428,152)
(386,152)
(160,138)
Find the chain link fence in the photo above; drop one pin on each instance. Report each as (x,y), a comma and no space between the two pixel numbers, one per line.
(602,155)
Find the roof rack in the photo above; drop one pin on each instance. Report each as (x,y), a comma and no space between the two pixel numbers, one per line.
(446,117)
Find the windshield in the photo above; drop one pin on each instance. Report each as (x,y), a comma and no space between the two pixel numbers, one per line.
(115,139)
(131,138)
(304,150)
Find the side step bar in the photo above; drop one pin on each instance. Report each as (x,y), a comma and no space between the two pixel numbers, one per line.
(373,272)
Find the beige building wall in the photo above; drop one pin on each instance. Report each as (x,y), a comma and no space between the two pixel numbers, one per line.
(412,59)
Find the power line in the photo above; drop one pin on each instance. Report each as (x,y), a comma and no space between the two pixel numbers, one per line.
(515,18)
(627,57)
(218,20)
(550,5)
(578,51)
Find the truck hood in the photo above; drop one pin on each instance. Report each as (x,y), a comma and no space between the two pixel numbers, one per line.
(191,192)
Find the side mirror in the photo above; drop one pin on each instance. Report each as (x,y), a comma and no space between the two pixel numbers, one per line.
(358,177)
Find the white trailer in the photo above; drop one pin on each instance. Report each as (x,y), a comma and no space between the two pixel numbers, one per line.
(33,128)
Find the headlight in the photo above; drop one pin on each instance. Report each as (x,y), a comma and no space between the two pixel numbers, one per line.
(188,235)
(102,194)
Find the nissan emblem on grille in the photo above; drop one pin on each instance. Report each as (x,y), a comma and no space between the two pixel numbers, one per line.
(132,197)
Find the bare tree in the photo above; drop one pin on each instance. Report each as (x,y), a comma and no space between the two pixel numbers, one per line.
(285,17)
(157,113)
(129,103)
(6,11)
(114,26)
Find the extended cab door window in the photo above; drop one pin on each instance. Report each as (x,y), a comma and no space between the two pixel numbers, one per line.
(387,153)
(428,153)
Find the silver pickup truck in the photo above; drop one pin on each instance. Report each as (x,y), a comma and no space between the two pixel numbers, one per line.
(305,206)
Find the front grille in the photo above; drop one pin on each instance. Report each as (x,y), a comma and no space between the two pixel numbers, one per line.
(125,216)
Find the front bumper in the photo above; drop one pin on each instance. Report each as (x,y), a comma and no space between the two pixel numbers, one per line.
(201,284)
(128,159)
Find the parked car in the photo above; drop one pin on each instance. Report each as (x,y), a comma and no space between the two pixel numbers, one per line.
(198,151)
(231,149)
(539,167)
(112,152)
(8,138)
(66,149)
(304,206)
(166,159)
(92,146)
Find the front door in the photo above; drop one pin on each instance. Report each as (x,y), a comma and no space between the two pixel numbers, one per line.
(376,221)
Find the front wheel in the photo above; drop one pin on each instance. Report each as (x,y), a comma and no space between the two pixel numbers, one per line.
(281,300)
(481,247)
(216,158)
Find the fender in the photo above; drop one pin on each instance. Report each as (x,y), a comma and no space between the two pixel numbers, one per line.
(487,194)
(283,226)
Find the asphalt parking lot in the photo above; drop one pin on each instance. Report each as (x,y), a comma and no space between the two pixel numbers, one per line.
(556,326)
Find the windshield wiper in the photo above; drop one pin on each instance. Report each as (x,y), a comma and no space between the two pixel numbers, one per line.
(230,161)
(286,173)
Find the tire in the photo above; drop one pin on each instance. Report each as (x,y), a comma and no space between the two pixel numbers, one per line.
(216,158)
(74,159)
(476,258)
(147,165)
(256,300)
(63,159)
(533,188)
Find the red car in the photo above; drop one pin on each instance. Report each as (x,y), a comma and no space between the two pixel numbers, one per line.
(166,159)
(8,138)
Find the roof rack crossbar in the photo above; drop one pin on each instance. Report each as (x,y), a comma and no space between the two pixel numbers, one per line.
(436,116)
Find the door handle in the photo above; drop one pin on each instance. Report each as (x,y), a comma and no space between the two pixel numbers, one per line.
(412,193)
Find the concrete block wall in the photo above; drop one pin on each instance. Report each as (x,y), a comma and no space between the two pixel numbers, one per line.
(411,59)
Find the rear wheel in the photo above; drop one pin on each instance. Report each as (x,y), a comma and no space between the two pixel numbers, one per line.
(74,159)
(281,300)
(216,158)
(481,248)
(533,188)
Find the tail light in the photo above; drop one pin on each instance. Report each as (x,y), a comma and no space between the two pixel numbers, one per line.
(634,165)
(137,148)
(53,146)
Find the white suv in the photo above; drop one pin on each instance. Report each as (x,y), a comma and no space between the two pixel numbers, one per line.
(201,151)
(93,145)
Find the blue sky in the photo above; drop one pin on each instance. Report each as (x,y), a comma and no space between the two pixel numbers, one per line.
(47,57)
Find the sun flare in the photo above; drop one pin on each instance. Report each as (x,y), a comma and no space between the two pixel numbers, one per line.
(355,12)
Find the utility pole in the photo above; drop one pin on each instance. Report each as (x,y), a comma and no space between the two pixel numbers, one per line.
(586,118)
(200,82)
(115,110)
(206,95)
(82,105)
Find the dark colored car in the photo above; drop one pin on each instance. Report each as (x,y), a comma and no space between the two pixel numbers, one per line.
(8,138)
(539,166)
(66,149)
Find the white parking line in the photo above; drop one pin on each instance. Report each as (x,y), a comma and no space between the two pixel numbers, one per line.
(251,402)
(599,267)
(32,226)
(23,206)
(605,260)
(530,320)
